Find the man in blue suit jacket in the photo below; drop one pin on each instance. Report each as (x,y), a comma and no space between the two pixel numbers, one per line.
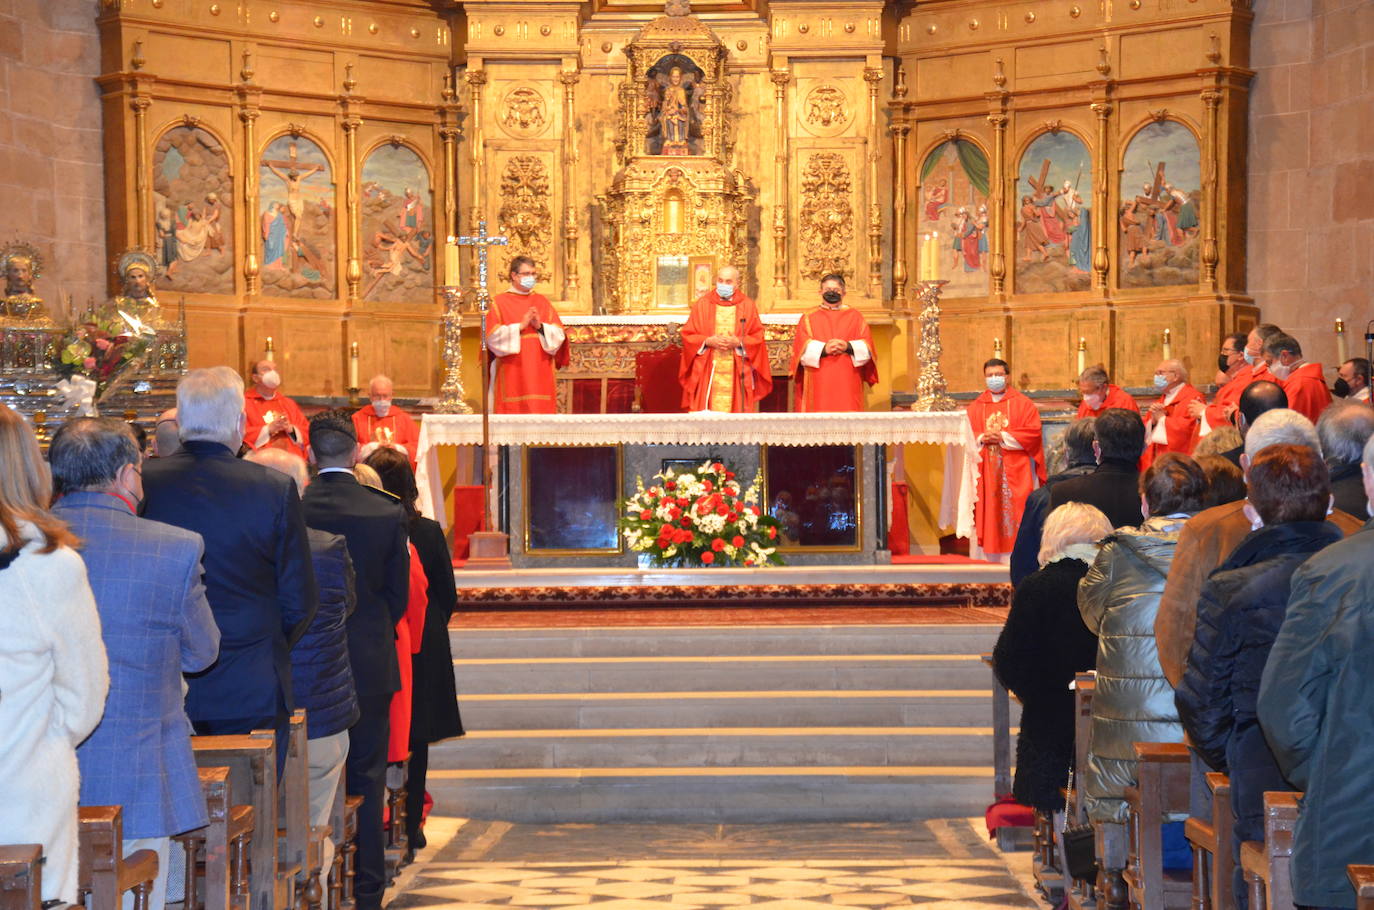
(156,624)
(259,578)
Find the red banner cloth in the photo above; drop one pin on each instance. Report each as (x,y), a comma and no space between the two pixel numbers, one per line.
(898,532)
(468,516)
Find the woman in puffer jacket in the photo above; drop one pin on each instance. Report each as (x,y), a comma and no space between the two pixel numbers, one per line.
(1118,599)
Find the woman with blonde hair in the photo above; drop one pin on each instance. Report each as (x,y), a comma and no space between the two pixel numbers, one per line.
(53,670)
(1043,644)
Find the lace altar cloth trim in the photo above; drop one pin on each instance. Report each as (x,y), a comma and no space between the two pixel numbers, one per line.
(670,319)
(948,428)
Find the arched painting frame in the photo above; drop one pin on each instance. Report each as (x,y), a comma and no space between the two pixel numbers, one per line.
(193,212)
(398,238)
(296,213)
(1052,245)
(954,207)
(1159,220)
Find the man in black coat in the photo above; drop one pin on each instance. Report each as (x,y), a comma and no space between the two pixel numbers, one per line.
(1078,453)
(1114,487)
(374,526)
(258,573)
(1343,429)
(1259,396)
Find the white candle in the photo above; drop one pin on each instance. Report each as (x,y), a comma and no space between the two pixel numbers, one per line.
(1342,352)
(1168,346)
(353,366)
(267,349)
(1082,355)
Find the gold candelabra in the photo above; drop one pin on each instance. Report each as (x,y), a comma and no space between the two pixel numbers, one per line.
(932,392)
(452,396)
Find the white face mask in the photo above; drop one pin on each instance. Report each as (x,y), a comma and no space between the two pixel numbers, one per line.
(1254,517)
(996,384)
(1094,402)
(1280,371)
(1251,359)
(271,379)
(526,281)
(381,407)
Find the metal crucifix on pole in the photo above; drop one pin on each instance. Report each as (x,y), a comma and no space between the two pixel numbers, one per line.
(488,548)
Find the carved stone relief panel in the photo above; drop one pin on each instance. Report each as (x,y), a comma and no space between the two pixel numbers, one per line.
(826,219)
(524,112)
(826,110)
(525,215)
(193,209)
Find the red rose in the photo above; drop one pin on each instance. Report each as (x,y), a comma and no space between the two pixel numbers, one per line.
(718,467)
(729,475)
(686,522)
(755,510)
(707,486)
(708,557)
(684,537)
(772,533)
(717,545)
(737,541)
(675,512)
(670,485)
(748,562)
(722,511)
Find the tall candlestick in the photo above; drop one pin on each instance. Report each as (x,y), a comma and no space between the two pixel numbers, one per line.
(1168,346)
(997,348)
(1342,353)
(353,365)
(451,262)
(1082,355)
(267,352)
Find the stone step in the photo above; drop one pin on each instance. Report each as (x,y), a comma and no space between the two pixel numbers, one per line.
(809,672)
(935,707)
(468,644)
(734,795)
(718,747)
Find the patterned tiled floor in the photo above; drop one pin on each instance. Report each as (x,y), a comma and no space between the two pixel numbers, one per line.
(937,865)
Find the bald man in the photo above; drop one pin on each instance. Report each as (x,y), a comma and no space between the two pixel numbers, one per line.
(1169,423)
(724,358)
(380,421)
(273,419)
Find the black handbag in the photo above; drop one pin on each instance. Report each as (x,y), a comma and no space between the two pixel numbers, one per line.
(1078,853)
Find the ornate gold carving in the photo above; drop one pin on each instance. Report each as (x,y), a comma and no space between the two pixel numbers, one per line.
(498,30)
(803,28)
(414,32)
(826,110)
(1054,126)
(136,61)
(246,72)
(524,112)
(295,129)
(973,25)
(372,28)
(524,216)
(319,22)
(545,30)
(849,28)
(349,83)
(1075,12)
(606,47)
(999,75)
(827,216)
(1214,49)
(1030,16)
(931,389)
(1104,64)
(931,29)
(190,121)
(742,45)
(1159,115)
(274,16)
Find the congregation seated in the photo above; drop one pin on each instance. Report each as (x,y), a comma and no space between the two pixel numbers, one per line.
(1225,481)
(1221,441)
(1343,429)
(1043,644)
(53,670)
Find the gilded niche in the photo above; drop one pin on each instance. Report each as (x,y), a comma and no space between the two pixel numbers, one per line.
(525,217)
(827,216)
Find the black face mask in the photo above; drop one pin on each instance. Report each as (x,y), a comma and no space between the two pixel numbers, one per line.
(1341,389)
(1223,362)
(832,297)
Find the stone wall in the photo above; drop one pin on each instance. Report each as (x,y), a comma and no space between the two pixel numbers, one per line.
(1311,169)
(51,175)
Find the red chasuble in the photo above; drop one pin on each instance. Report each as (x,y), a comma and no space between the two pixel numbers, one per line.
(262,411)
(1228,395)
(397,428)
(1306,390)
(1116,398)
(723,380)
(1179,427)
(524,381)
(1006,476)
(837,384)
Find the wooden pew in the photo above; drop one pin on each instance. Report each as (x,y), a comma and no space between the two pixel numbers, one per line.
(396,841)
(252,764)
(104,872)
(216,875)
(285,892)
(21,877)
(1163,780)
(345,820)
(1001,751)
(1213,862)
(1362,877)
(1266,864)
(303,842)
(1081,891)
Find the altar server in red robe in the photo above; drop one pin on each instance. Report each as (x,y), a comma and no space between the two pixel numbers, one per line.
(1234,375)
(273,419)
(1011,458)
(1254,350)
(832,353)
(382,422)
(1302,382)
(1099,394)
(724,358)
(1169,424)
(527,342)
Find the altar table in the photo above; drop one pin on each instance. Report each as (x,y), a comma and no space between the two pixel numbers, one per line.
(950,429)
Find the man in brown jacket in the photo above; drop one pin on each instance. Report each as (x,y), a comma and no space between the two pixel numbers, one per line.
(1210,536)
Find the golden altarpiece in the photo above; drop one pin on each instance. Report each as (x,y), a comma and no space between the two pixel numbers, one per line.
(1072,169)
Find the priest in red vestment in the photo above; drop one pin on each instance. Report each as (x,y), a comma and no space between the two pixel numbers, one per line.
(724,358)
(832,354)
(1011,458)
(1099,394)
(1234,375)
(380,421)
(528,343)
(1169,424)
(1254,350)
(273,419)
(1302,382)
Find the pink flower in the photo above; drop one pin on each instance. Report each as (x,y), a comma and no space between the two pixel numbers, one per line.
(88,363)
(101,344)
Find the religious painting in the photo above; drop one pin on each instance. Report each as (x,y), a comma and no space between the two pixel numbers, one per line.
(1161,197)
(193,212)
(296,217)
(703,275)
(570,499)
(813,492)
(954,215)
(1053,243)
(673,103)
(397,227)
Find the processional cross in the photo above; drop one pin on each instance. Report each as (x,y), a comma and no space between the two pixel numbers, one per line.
(481,240)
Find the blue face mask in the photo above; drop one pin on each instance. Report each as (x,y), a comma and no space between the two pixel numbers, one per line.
(1250,358)
(527,281)
(725,291)
(996,384)
(1161,381)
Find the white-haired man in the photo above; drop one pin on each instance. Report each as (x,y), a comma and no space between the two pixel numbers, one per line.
(382,422)
(1169,423)
(1213,534)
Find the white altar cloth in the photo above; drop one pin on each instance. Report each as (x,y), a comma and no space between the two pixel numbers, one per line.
(948,428)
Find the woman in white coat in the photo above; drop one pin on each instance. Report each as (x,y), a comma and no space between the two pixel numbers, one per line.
(53,671)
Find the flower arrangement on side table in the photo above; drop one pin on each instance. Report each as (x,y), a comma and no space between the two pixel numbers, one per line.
(700,518)
(93,354)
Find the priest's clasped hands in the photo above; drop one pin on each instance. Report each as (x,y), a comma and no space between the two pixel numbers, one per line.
(725,342)
(836,346)
(532,321)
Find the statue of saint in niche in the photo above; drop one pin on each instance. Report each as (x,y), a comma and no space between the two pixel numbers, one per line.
(22,266)
(673,102)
